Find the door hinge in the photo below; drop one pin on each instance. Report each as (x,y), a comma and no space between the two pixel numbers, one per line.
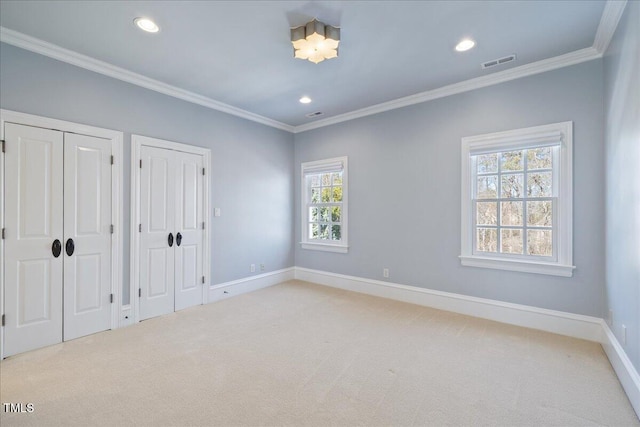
(140,228)
(202,171)
(3,320)
(202,279)
(3,234)
(111,298)
(112,160)
(139,292)
(111,228)
(203,225)
(140,163)
(3,144)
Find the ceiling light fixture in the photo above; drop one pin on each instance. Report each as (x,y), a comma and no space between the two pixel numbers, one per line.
(146,24)
(465,44)
(305,100)
(315,41)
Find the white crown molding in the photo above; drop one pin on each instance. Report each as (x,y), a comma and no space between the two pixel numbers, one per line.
(65,55)
(571,58)
(611,15)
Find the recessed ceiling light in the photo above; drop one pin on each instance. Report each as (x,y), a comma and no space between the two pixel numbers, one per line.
(465,44)
(305,100)
(146,24)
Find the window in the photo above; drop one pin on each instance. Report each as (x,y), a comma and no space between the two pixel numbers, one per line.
(324,205)
(517,200)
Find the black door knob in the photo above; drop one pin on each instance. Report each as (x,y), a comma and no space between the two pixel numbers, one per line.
(56,248)
(69,247)
(178,239)
(170,239)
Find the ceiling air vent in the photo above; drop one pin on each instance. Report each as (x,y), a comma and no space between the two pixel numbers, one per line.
(316,114)
(499,61)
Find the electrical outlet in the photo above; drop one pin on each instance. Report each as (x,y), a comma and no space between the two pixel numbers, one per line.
(261,267)
(385,273)
(253,268)
(216,212)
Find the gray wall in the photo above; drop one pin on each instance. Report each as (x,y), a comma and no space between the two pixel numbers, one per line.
(404,189)
(622,136)
(404,170)
(251,180)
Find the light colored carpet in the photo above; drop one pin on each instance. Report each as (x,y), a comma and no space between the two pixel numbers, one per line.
(300,354)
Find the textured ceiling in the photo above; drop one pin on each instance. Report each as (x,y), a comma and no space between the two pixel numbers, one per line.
(239,52)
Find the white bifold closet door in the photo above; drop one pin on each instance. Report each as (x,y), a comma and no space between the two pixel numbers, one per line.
(171,240)
(87,222)
(57,237)
(33,224)
(189,219)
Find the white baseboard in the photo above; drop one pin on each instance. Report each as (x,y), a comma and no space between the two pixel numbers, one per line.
(573,325)
(627,374)
(569,324)
(248,284)
(126,316)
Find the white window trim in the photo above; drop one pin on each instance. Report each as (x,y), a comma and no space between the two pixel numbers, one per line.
(510,140)
(316,167)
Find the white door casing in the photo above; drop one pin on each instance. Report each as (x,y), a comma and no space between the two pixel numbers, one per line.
(8,174)
(191,208)
(87,222)
(34,209)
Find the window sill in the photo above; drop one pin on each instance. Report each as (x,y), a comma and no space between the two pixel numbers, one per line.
(325,247)
(517,265)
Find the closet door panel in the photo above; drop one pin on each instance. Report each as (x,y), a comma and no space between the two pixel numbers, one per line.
(157,213)
(87,223)
(33,222)
(189,218)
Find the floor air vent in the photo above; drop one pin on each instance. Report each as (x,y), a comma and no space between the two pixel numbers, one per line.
(499,61)
(316,114)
